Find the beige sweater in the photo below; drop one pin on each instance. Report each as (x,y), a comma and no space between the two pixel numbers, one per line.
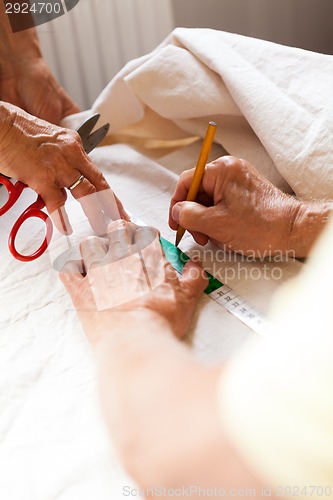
(277,396)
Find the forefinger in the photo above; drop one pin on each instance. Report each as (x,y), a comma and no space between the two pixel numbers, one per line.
(106,199)
(212,182)
(85,194)
(181,192)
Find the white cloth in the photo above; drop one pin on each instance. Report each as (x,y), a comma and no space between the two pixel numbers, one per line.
(52,439)
(276,397)
(53,443)
(273,103)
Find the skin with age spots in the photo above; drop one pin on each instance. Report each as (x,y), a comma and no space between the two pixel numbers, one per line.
(33,148)
(47,158)
(240,210)
(25,79)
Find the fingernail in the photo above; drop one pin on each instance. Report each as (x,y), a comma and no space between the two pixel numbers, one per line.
(176,212)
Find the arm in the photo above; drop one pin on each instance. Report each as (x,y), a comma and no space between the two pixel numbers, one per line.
(160,404)
(161,408)
(242,211)
(25,79)
(48,159)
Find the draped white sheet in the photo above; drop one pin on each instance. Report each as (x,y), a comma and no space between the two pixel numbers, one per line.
(273,103)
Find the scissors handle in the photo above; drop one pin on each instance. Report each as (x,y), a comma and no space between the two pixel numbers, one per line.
(14,192)
(33,210)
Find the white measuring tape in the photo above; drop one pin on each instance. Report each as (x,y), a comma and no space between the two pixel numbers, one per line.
(219,292)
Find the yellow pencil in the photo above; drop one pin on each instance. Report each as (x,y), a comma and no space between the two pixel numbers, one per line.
(199,171)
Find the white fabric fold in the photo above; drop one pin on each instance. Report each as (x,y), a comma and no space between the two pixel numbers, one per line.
(273,103)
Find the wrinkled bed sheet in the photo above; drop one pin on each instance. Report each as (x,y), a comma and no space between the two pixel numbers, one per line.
(273,103)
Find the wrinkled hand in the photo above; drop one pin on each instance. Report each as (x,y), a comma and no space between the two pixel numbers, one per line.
(49,158)
(236,208)
(30,85)
(116,281)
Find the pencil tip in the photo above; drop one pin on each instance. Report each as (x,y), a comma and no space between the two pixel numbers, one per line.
(179,235)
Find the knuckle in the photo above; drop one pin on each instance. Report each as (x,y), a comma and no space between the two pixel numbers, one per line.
(54,204)
(185,216)
(70,142)
(90,189)
(95,176)
(100,180)
(231,167)
(185,174)
(73,136)
(232,163)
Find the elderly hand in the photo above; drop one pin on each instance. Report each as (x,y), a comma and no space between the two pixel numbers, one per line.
(240,210)
(151,387)
(25,79)
(30,85)
(128,273)
(48,159)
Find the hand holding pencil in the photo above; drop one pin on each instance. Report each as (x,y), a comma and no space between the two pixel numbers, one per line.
(238,210)
(199,171)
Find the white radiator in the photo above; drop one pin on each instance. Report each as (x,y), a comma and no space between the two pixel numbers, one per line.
(87,46)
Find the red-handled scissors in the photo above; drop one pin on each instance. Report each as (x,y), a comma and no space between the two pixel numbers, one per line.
(89,141)
(34,210)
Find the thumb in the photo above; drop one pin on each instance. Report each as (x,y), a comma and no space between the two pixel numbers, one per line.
(194,217)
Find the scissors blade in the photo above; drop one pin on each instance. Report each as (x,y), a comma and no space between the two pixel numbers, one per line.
(91,140)
(86,127)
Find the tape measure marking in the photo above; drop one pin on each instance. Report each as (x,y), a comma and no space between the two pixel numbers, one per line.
(219,292)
